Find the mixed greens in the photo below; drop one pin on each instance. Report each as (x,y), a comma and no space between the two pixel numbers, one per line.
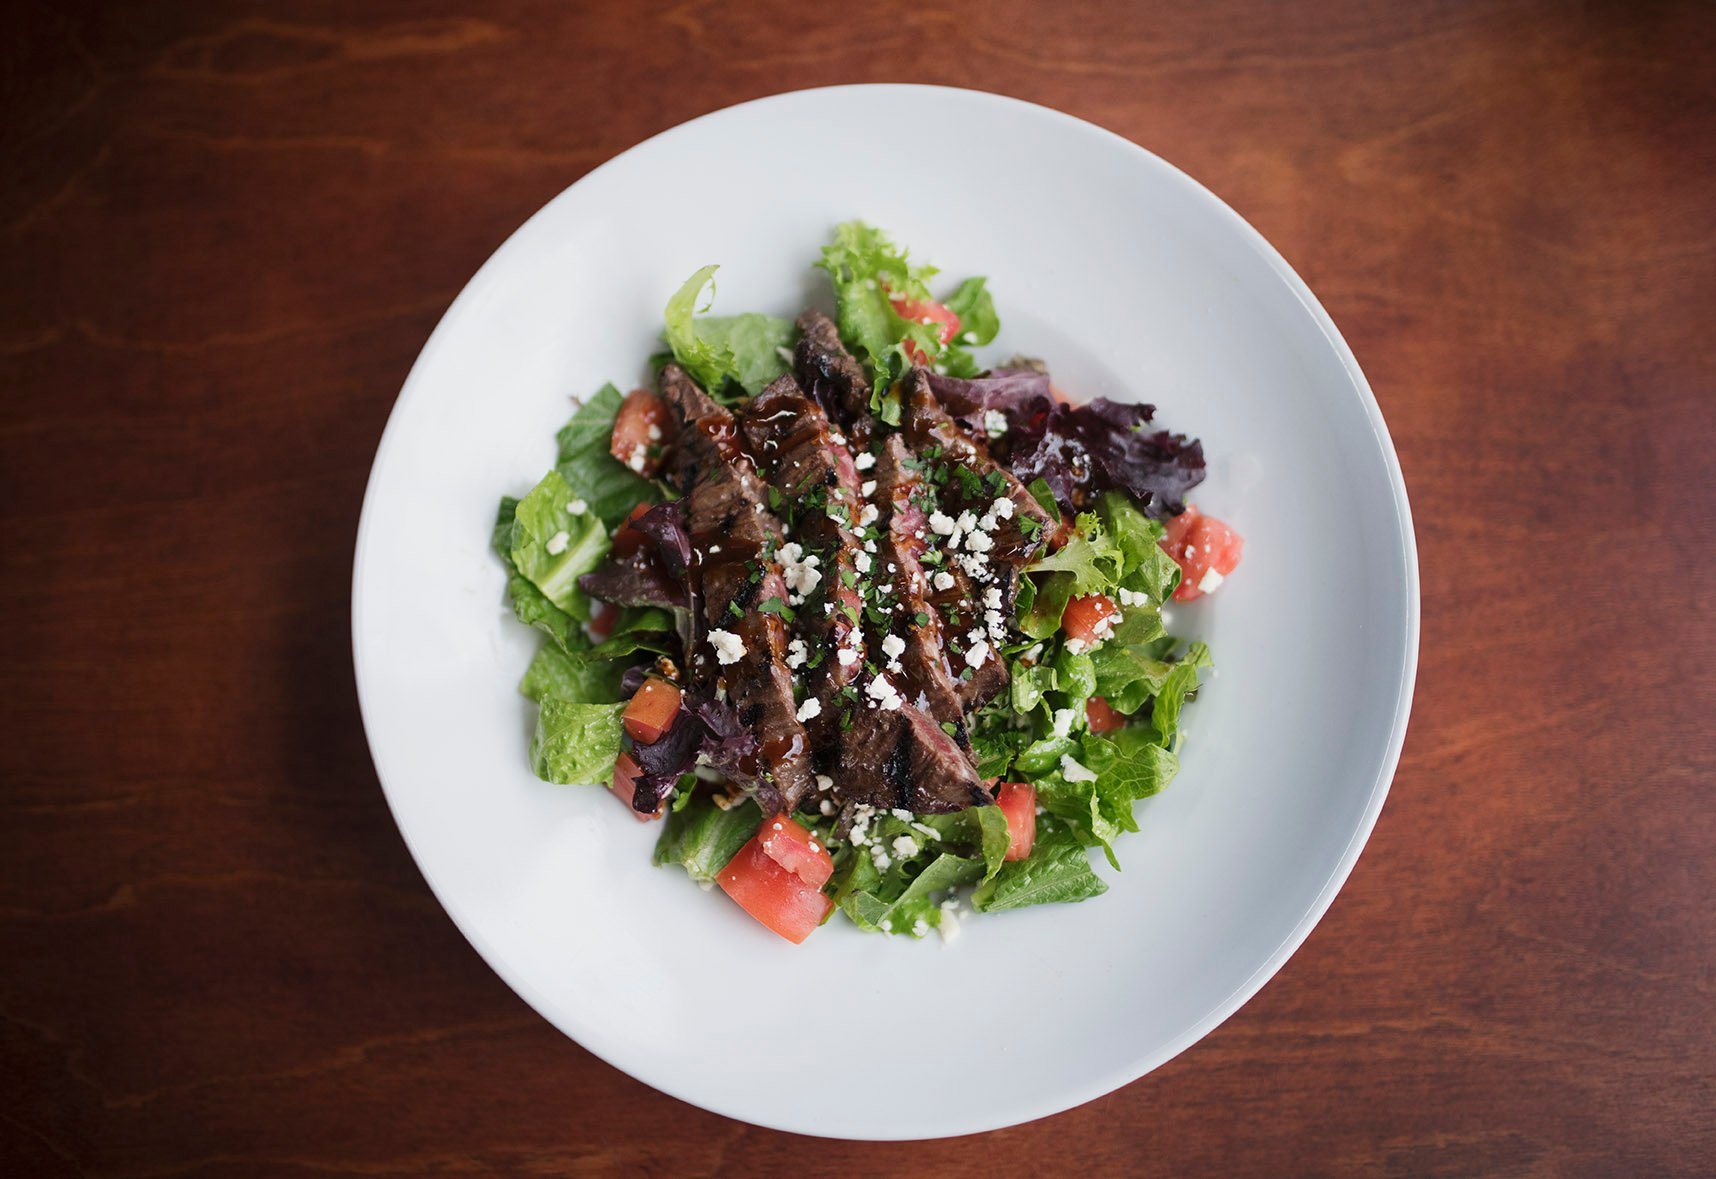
(1090,723)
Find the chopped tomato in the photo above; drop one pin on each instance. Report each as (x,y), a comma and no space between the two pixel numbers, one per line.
(602,620)
(639,428)
(1205,549)
(626,538)
(776,897)
(650,712)
(1018,803)
(927,312)
(626,774)
(1090,618)
(1102,717)
(787,843)
(1059,537)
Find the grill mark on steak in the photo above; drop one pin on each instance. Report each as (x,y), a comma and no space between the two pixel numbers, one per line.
(726,510)
(903,759)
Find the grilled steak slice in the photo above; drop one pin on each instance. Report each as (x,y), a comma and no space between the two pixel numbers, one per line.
(832,375)
(901,758)
(922,666)
(928,426)
(734,540)
(791,439)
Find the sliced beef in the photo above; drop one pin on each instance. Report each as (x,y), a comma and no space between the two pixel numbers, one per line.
(832,375)
(931,430)
(902,758)
(924,676)
(734,539)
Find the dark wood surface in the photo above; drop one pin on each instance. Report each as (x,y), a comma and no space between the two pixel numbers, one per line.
(225,231)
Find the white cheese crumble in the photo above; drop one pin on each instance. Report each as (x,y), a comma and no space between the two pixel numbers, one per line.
(797,654)
(994,423)
(967,522)
(1209,581)
(941,522)
(868,515)
(861,562)
(824,782)
(638,458)
(977,653)
(979,542)
(992,598)
(847,656)
(1132,597)
(893,646)
(902,814)
(1073,771)
(558,542)
(1002,508)
(729,647)
(867,488)
(1077,646)
(577,507)
(809,710)
(864,461)
(1062,723)
(826,806)
(882,691)
(905,847)
(943,580)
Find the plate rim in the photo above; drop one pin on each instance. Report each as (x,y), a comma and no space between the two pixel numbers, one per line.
(1026,1110)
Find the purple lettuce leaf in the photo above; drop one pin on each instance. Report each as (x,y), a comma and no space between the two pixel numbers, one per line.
(1079,450)
(653,574)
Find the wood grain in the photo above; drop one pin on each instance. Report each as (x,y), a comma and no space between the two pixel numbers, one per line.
(226,228)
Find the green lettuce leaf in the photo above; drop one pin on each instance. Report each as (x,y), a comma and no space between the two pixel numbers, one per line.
(575,743)
(540,518)
(869,910)
(715,349)
(529,604)
(701,837)
(1145,567)
(577,679)
(610,488)
(868,271)
(978,322)
(1056,872)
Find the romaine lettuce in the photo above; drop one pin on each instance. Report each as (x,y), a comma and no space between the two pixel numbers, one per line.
(552,544)
(576,744)
(1056,872)
(610,487)
(701,837)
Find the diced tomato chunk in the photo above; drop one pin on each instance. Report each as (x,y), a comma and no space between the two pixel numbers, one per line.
(776,897)
(1090,619)
(602,620)
(1102,717)
(789,844)
(634,444)
(650,712)
(1059,537)
(929,312)
(1205,549)
(1018,803)
(626,774)
(626,538)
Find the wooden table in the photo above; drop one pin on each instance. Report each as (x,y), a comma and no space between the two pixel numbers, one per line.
(227,230)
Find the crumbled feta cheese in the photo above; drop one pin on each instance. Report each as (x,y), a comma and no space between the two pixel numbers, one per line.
(979,542)
(864,461)
(978,652)
(847,656)
(638,458)
(1062,722)
(729,647)
(868,515)
(862,562)
(883,692)
(902,814)
(1073,771)
(942,523)
(893,645)
(867,488)
(809,710)
(577,507)
(994,423)
(967,522)
(926,830)
(1002,508)
(969,337)
(826,806)
(836,437)
(948,926)
(992,597)
(905,847)
(714,548)
(824,782)
(943,580)
(1032,654)
(883,862)
(1077,646)
(558,542)
(797,654)
(1209,581)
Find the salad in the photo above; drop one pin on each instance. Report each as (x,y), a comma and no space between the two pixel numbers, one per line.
(865,625)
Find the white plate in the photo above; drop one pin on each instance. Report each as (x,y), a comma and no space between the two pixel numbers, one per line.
(1134,283)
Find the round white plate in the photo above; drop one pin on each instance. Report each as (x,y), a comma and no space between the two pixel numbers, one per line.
(1134,283)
